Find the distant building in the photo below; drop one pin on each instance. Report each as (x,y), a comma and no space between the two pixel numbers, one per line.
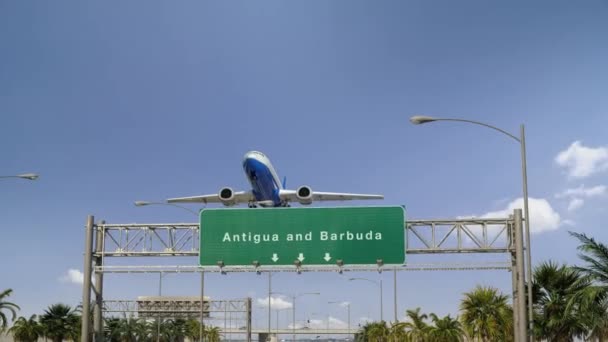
(175,307)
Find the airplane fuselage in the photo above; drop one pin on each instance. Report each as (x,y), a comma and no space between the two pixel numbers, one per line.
(265,182)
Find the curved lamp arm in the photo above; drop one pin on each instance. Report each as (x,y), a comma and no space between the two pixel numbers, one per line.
(29,176)
(421,119)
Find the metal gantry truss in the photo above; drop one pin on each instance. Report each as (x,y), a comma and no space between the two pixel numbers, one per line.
(158,239)
(462,236)
(459,236)
(423,237)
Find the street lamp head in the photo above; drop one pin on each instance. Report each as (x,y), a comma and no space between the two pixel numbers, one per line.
(30,176)
(141,203)
(421,119)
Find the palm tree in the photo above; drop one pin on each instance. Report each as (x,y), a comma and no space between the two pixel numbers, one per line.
(361,335)
(595,256)
(112,329)
(397,332)
(416,326)
(486,314)
(61,322)
(378,332)
(193,329)
(372,332)
(446,329)
(131,330)
(6,306)
(213,334)
(26,330)
(565,301)
(174,329)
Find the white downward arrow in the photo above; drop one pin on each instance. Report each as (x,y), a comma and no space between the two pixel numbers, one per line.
(301,257)
(274,257)
(327,257)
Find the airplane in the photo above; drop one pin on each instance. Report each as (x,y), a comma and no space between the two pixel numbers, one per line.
(267,189)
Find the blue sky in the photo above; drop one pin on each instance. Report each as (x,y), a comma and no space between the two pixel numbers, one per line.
(116,102)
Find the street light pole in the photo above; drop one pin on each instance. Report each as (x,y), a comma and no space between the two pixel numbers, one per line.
(160,291)
(293,307)
(28,176)
(395,293)
(202,312)
(380,285)
(269,302)
(419,119)
(347,304)
(145,203)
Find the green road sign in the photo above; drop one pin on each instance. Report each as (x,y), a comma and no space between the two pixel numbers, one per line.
(314,236)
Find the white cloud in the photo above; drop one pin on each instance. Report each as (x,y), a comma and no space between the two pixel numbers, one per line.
(568,223)
(344,304)
(335,323)
(542,216)
(316,324)
(581,161)
(582,191)
(575,203)
(73,276)
(365,320)
(577,195)
(276,303)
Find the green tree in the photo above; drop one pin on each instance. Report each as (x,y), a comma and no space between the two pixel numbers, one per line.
(485,314)
(372,332)
(193,329)
(61,322)
(361,335)
(416,327)
(397,332)
(132,330)
(26,330)
(173,330)
(562,303)
(595,257)
(378,332)
(112,329)
(446,329)
(212,334)
(4,305)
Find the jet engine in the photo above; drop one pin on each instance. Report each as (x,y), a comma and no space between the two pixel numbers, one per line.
(304,194)
(227,196)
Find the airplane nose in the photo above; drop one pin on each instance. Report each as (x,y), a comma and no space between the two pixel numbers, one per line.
(249,155)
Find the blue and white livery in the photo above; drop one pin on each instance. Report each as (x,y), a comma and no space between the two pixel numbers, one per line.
(267,189)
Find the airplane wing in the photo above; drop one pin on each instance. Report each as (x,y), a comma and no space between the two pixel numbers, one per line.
(239,197)
(292,196)
(336,196)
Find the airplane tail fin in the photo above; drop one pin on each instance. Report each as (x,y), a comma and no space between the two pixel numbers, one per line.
(284,182)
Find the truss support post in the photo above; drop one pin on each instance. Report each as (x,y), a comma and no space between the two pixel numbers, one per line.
(248,315)
(86,286)
(395,293)
(513,278)
(97,313)
(202,325)
(522,334)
